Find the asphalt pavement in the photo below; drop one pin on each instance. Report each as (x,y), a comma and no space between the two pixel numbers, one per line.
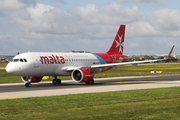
(18,90)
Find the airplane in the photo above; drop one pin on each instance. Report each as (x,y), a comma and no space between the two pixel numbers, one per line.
(32,66)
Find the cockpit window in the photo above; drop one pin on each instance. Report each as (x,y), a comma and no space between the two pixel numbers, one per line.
(19,60)
(25,60)
(15,60)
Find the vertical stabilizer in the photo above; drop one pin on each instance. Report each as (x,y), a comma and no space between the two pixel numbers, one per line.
(117,45)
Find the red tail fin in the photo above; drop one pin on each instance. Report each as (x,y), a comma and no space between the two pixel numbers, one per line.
(117,45)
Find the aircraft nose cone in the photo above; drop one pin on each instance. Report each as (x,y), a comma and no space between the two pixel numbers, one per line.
(9,69)
(15,69)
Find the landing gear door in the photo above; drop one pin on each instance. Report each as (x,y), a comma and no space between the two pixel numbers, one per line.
(36,61)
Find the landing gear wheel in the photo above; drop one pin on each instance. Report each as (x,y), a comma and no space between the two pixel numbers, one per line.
(92,82)
(87,83)
(56,81)
(28,85)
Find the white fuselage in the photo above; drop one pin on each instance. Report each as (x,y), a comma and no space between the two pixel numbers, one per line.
(50,64)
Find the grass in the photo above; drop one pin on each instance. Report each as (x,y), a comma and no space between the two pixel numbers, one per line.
(3,64)
(128,70)
(141,70)
(8,78)
(154,104)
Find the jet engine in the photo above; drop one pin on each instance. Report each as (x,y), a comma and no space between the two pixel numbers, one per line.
(82,75)
(31,79)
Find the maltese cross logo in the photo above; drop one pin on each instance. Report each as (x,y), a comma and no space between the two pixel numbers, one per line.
(119,44)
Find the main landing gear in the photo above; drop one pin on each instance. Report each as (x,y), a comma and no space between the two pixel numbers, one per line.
(56,81)
(90,82)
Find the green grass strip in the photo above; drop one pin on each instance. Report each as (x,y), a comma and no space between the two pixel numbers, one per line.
(163,103)
(141,70)
(3,64)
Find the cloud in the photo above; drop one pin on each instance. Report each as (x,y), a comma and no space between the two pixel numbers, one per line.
(145,29)
(89,13)
(40,27)
(38,11)
(158,2)
(15,4)
(166,19)
(115,13)
(61,1)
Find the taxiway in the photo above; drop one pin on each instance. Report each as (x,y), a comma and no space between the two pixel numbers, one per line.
(18,90)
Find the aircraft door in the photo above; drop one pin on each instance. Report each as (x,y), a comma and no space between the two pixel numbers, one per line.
(36,61)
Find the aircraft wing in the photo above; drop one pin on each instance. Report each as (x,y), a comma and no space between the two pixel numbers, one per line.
(109,65)
(112,64)
(124,63)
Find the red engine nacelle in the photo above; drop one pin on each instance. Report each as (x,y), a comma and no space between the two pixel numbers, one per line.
(82,75)
(31,79)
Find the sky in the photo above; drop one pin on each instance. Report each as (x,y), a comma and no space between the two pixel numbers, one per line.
(152,26)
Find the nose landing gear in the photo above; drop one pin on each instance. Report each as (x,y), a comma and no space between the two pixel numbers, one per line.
(28,84)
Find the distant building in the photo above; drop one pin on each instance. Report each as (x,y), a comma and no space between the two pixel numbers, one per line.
(174,57)
(4,59)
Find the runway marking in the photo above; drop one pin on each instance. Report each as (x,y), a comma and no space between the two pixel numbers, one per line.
(164,85)
(120,82)
(76,83)
(79,82)
(9,97)
(132,82)
(87,89)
